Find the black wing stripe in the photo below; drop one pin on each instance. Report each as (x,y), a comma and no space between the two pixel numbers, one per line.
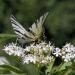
(15,25)
(23,34)
(15,22)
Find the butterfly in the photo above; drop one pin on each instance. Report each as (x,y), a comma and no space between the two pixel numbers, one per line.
(34,33)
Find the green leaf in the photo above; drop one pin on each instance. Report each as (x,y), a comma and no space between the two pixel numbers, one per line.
(7,35)
(12,68)
(49,67)
(4,71)
(30,69)
(64,65)
(68,72)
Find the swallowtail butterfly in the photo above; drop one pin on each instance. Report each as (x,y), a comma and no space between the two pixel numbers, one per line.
(34,33)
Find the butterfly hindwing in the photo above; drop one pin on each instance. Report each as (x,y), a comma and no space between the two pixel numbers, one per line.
(37,28)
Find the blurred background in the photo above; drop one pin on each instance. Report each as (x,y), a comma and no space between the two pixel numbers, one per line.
(59,26)
(60,23)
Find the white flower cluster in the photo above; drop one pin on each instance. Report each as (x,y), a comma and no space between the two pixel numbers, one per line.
(35,53)
(13,49)
(41,53)
(67,52)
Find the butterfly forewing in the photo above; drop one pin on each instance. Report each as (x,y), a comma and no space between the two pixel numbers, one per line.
(20,31)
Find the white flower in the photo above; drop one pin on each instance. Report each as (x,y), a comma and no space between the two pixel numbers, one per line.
(69,48)
(46,59)
(56,52)
(67,57)
(29,58)
(27,49)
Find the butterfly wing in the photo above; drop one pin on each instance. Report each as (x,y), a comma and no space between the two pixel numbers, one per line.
(21,33)
(37,28)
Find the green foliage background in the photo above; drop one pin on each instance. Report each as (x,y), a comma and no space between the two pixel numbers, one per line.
(60,24)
